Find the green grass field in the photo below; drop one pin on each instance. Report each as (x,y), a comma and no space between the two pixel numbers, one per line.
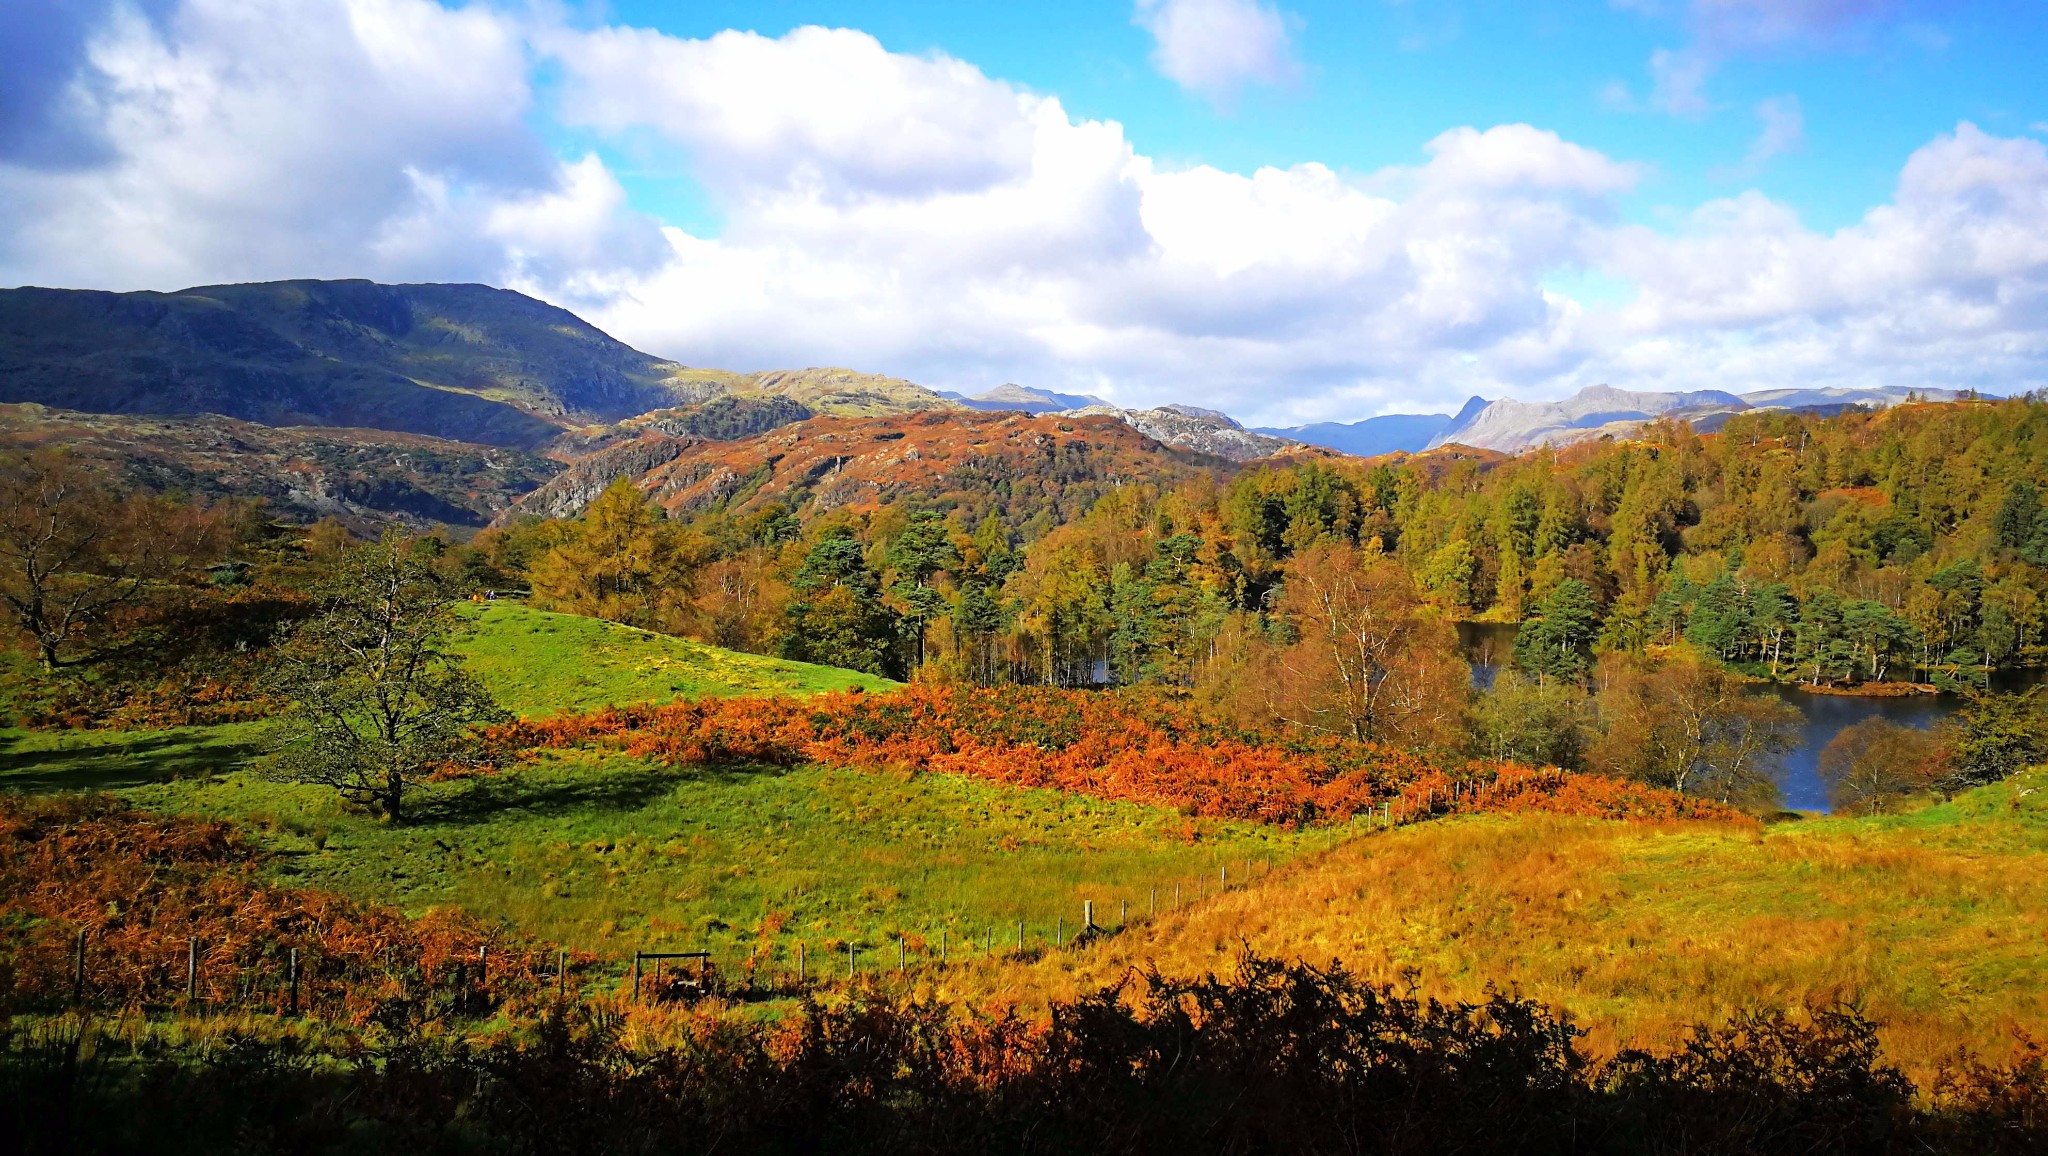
(610,854)
(539,663)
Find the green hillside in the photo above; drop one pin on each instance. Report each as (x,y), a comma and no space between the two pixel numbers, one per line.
(541,663)
(466,362)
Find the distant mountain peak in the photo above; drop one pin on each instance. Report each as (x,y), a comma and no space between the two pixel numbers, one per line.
(1601,410)
(1011,396)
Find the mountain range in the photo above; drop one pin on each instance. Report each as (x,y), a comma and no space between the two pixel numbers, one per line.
(454,402)
(465,362)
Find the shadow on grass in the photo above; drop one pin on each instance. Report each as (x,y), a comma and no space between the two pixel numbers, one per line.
(539,792)
(118,761)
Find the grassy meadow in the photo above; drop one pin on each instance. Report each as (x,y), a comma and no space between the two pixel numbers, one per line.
(1934,922)
(610,854)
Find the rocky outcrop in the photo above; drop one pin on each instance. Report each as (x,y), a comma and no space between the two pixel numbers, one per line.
(1202,430)
(576,487)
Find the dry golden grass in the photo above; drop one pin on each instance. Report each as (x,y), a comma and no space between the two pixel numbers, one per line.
(1935,923)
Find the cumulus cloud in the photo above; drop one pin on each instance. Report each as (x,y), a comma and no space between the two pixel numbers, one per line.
(1215,47)
(244,139)
(910,214)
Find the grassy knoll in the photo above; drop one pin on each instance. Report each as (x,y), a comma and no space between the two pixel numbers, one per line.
(536,663)
(1936,922)
(539,663)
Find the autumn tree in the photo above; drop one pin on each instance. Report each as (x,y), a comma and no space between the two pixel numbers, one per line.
(1369,661)
(73,555)
(1063,613)
(1869,766)
(374,699)
(1691,728)
(623,560)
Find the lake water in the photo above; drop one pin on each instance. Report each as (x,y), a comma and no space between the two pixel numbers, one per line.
(1823,716)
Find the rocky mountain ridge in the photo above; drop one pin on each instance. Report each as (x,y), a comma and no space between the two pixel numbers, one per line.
(1602,411)
(1202,430)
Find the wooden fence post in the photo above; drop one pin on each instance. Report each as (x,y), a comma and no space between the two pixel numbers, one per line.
(636,977)
(1059,935)
(851,970)
(1020,937)
(292,969)
(899,953)
(191,967)
(1087,914)
(561,974)
(945,946)
(799,965)
(1152,904)
(78,970)
(1123,912)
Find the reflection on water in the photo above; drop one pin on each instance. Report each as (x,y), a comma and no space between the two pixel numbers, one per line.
(1823,716)
(1489,646)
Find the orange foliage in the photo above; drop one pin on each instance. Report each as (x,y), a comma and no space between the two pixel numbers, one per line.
(1134,747)
(142,886)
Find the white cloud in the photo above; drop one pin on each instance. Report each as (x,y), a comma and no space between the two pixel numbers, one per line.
(909,214)
(1721,29)
(1782,130)
(1215,47)
(246,139)
(1679,81)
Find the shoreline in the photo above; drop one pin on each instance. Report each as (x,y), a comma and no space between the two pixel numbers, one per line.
(1868,689)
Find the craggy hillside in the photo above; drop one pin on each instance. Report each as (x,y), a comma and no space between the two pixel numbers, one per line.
(1011,464)
(303,473)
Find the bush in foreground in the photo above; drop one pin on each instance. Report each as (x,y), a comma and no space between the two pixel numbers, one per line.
(1278,1057)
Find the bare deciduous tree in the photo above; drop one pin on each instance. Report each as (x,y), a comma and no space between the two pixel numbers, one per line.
(72,554)
(1368,661)
(1691,728)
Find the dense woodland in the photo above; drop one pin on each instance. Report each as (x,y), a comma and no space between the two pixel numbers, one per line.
(1903,545)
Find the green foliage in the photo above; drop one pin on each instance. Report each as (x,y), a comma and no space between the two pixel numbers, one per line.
(1163,618)
(838,617)
(1999,735)
(1558,643)
(374,700)
(1545,722)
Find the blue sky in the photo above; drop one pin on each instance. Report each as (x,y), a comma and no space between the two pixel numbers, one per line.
(1380,77)
(1290,210)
